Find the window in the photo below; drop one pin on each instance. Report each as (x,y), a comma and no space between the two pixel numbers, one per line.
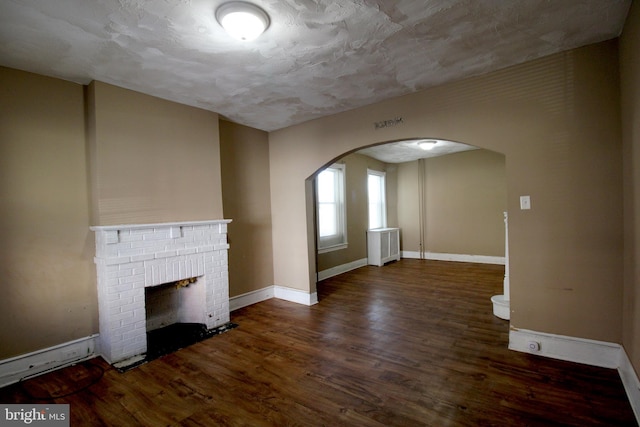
(377,199)
(331,209)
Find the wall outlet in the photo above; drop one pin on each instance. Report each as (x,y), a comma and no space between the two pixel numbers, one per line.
(534,346)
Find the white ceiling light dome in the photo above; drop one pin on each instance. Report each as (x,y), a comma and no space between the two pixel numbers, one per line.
(427,144)
(242,20)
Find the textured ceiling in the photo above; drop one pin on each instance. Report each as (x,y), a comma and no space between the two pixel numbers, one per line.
(318,57)
(410,150)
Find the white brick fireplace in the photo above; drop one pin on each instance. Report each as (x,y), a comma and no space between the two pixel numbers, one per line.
(130,258)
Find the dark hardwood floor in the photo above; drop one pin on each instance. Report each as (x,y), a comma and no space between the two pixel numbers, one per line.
(412,343)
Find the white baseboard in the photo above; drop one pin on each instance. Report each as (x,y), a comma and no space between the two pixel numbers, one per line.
(38,362)
(410,254)
(572,349)
(334,271)
(580,350)
(250,298)
(280,292)
(479,259)
(295,295)
(630,381)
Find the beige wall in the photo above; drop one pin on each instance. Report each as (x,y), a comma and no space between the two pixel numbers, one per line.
(630,90)
(46,268)
(464,197)
(244,154)
(151,160)
(557,122)
(409,190)
(356,196)
(143,159)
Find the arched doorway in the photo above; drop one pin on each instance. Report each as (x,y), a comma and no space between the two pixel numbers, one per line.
(448,203)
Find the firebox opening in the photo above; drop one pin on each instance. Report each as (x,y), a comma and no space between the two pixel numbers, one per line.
(174,316)
(174,302)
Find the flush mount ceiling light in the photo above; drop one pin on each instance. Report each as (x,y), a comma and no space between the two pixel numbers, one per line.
(242,20)
(427,144)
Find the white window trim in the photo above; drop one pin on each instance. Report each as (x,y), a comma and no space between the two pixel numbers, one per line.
(343,244)
(384,196)
(337,247)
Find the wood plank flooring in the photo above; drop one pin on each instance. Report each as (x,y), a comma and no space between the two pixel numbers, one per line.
(408,344)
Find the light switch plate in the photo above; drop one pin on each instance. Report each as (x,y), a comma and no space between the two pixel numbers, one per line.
(525,203)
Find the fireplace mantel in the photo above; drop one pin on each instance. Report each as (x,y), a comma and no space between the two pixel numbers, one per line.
(157,225)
